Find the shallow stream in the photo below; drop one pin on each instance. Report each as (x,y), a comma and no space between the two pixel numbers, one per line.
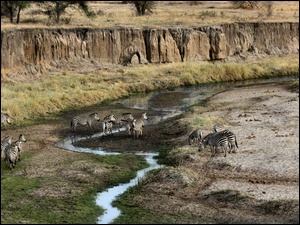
(167,103)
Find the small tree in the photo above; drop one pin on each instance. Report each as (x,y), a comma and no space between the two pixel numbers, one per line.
(13,8)
(143,6)
(245,4)
(58,8)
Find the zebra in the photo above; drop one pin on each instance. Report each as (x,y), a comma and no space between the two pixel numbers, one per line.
(232,143)
(84,121)
(195,137)
(12,152)
(11,155)
(214,140)
(107,123)
(138,125)
(5,118)
(218,127)
(4,143)
(125,120)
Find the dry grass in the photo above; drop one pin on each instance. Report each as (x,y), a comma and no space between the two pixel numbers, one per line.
(29,100)
(165,14)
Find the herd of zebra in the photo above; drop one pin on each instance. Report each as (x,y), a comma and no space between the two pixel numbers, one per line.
(134,127)
(11,150)
(220,137)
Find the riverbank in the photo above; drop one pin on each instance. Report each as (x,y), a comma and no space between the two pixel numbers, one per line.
(251,183)
(260,183)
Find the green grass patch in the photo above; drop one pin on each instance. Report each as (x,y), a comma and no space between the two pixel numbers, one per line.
(58,198)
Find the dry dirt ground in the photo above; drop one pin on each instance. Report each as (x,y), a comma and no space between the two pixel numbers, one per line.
(255,185)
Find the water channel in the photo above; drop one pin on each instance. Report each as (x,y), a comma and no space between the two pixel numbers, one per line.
(191,96)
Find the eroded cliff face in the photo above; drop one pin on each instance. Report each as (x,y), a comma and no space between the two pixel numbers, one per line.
(38,51)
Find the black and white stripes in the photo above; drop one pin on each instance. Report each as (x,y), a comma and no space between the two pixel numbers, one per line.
(12,151)
(83,121)
(220,137)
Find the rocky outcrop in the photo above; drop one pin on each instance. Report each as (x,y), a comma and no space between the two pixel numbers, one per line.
(36,51)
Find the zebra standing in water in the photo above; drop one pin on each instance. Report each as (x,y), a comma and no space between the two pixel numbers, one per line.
(83,121)
(195,137)
(214,140)
(138,125)
(12,152)
(4,143)
(107,123)
(5,118)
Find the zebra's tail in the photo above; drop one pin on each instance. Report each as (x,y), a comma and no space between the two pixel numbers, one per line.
(236,144)
(71,124)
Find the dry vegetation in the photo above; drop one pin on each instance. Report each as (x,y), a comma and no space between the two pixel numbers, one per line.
(51,185)
(25,101)
(165,14)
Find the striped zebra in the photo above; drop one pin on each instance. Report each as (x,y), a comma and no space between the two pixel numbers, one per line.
(138,125)
(125,120)
(195,137)
(83,121)
(11,156)
(107,123)
(13,151)
(214,140)
(4,143)
(232,143)
(5,118)
(218,127)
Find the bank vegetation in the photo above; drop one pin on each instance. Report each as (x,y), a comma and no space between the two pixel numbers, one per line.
(28,102)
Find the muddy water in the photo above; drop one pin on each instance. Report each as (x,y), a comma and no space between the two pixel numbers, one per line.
(166,104)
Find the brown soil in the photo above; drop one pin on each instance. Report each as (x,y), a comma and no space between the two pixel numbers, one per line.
(235,189)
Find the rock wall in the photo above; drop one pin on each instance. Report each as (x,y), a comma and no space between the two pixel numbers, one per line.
(36,51)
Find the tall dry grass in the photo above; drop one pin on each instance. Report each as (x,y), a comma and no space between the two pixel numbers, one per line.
(27,101)
(165,14)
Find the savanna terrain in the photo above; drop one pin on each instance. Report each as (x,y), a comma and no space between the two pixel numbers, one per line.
(258,184)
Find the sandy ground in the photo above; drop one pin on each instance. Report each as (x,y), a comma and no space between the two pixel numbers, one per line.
(265,119)
(268,137)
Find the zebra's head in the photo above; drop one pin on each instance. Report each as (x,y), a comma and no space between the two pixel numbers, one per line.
(22,138)
(144,116)
(112,118)
(202,146)
(95,116)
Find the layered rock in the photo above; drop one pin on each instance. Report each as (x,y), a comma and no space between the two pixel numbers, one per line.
(37,51)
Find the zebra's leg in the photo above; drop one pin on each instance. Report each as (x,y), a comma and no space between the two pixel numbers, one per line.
(212,149)
(90,125)
(225,150)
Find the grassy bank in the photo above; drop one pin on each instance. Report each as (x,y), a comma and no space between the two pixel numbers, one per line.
(40,200)
(29,102)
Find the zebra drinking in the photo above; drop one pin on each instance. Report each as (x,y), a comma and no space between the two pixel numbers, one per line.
(138,125)
(195,137)
(5,118)
(214,140)
(83,121)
